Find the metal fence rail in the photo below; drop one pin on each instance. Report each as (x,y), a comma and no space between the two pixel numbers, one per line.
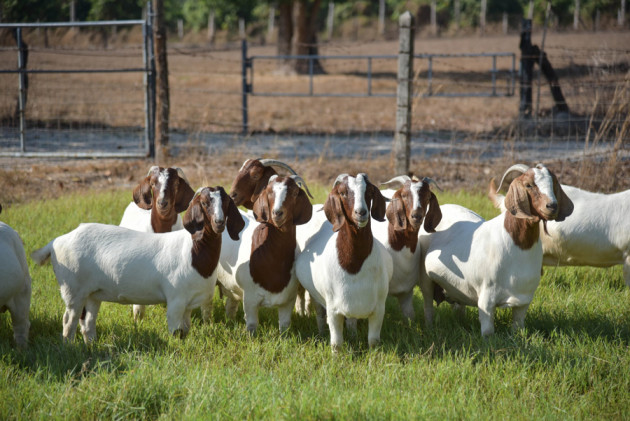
(147,70)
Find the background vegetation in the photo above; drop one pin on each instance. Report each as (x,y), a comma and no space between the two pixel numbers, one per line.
(572,362)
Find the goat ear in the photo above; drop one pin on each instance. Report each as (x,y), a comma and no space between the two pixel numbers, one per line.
(334,211)
(194,220)
(261,208)
(184,195)
(433,216)
(235,222)
(303,209)
(378,203)
(395,213)
(517,201)
(142,194)
(565,204)
(261,177)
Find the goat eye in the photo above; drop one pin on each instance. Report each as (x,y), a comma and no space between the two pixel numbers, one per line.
(529,186)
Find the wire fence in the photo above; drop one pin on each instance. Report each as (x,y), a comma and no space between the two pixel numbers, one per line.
(206,92)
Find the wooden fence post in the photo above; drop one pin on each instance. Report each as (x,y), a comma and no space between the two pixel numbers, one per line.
(404,95)
(162,92)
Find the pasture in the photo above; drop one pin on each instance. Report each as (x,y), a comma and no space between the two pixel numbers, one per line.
(572,362)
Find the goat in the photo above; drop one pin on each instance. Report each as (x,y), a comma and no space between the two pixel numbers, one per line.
(262,273)
(97,262)
(157,202)
(495,263)
(412,203)
(15,283)
(343,269)
(597,235)
(250,181)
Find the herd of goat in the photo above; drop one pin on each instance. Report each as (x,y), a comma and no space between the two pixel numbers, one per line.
(342,258)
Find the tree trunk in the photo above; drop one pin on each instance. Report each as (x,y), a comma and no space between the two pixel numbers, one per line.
(161,69)
(285,34)
(306,39)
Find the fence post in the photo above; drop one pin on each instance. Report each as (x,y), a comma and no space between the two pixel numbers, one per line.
(244,65)
(22,85)
(402,137)
(527,69)
(149,81)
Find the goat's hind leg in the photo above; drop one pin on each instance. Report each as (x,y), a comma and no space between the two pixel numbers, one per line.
(88,320)
(19,310)
(626,269)
(71,320)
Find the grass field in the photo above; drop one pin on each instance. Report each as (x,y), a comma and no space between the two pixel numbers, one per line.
(572,362)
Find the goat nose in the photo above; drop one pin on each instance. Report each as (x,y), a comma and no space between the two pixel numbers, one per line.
(163,203)
(552,206)
(361,212)
(278,213)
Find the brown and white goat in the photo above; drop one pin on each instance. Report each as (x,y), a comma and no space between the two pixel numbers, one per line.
(97,262)
(259,269)
(342,267)
(495,263)
(157,202)
(410,205)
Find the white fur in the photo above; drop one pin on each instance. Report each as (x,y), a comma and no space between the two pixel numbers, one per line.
(138,219)
(97,262)
(15,283)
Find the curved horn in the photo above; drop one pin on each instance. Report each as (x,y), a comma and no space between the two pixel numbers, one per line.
(339,178)
(180,172)
(300,182)
(397,181)
(520,168)
(272,178)
(430,182)
(273,162)
(153,168)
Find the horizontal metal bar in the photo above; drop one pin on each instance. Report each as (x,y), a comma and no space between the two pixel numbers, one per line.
(72,24)
(139,154)
(131,70)
(357,95)
(382,56)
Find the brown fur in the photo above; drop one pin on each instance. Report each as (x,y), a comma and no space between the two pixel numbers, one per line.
(178,195)
(250,182)
(354,244)
(273,241)
(206,231)
(526,206)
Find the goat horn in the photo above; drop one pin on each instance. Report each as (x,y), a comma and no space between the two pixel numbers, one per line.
(430,182)
(273,162)
(397,181)
(300,182)
(273,177)
(520,168)
(153,168)
(180,172)
(339,178)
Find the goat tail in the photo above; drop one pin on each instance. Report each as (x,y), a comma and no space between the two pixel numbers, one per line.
(43,254)
(498,200)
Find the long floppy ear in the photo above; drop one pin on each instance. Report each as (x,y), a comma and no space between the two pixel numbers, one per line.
(142,194)
(262,182)
(565,205)
(303,209)
(184,195)
(433,216)
(517,201)
(194,220)
(334,211)
(396,214)
(235,222)
(261,208)
(378,203)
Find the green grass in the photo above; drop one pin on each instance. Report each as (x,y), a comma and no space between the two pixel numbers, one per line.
(572,362)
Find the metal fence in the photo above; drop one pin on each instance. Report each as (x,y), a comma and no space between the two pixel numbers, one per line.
(68,108)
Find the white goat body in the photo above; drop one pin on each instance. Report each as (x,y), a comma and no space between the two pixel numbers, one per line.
(340,273)
(15,283)
(97,262)
(493,263)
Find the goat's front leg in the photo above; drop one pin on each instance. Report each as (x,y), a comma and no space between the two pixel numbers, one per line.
(375,322)
(250,308)
(175,317)
(486,306)
(284,315)
(320,311)
(138,312)
(518,316)
(335,324)
(88,323)
(427,287)
(406,305)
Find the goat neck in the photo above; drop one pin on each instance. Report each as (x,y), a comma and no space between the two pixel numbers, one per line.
(272,256)
(206,251)
(524,232)
(354,245)
(163,222)
(399,239)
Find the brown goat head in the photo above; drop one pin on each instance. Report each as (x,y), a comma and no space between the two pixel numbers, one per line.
(281,202)
(167,188)
(211,207)
(250,181)
(408,207)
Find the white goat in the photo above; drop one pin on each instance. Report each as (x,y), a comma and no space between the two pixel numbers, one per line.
(495,263)
(250,181)
(262,273)
(412,203)
(97,262)
(343,269)
(157,202)
(597,234)
(15,283)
